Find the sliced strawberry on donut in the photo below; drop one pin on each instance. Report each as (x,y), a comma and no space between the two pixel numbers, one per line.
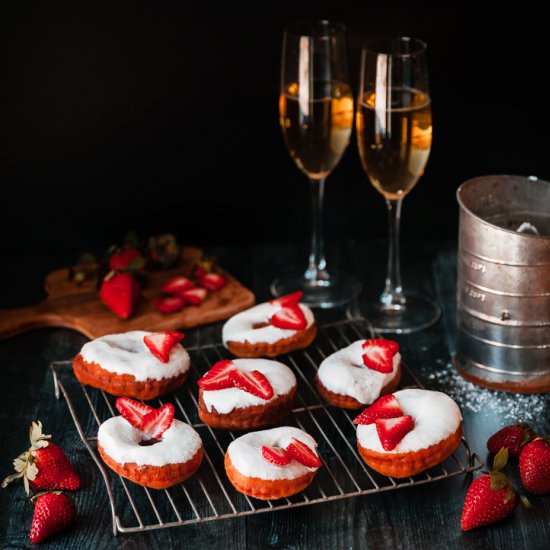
(194,295)
(299,451)
(178,284)
(391,344)
(276,455)
(385,407)
(289,317)
(288,299)
(170,304)
(212,281)
(133,411)
(392,430)
(160,344)
(252,382)
(378,355)
(217,378)
(158,421)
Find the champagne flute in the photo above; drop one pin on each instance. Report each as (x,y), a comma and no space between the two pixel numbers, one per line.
(316,117)
(394,133)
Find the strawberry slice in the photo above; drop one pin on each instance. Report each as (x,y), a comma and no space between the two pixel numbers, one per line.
(160,344)
(392,430)
(275,455)
(170,304)
(378,355)
(158,421)
(133,411)
(288,299)
(178,284)
(212,281)
(391,344)
(252,382)
(299,451)
(289,317)
(385,407)
(120,293)
(217,378)
(194,295)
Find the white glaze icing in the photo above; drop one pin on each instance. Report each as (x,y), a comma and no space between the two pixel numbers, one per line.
(120,441)
(436,416)
(344,373)
(246,453)
(126,353)
(280,377)
(240,327)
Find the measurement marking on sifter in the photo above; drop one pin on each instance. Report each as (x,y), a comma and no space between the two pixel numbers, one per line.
(207,495)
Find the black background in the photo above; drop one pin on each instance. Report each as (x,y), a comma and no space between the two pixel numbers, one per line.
(163,117)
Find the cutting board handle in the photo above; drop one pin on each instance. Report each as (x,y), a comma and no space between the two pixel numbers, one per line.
(15,321)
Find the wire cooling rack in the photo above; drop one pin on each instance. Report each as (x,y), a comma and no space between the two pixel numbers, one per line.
(208,495)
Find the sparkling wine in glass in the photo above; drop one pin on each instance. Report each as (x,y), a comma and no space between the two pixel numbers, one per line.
(394,133)
(316,117)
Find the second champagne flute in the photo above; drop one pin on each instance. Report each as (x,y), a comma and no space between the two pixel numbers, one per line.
(316,116)
(394,133)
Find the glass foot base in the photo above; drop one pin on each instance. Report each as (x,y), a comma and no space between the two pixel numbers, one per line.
(418,313)
(338,290)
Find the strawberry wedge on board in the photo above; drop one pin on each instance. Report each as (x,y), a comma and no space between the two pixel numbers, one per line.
(212,281)
(194,296)
(170,304)
(178,284)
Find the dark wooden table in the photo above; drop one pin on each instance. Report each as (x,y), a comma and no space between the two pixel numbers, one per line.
(425,516)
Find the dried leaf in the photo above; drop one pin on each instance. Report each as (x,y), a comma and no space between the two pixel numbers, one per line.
(9,479)
(32,471)
(526,502)
(501,458)
(510,493)
(498,481)
(20,463)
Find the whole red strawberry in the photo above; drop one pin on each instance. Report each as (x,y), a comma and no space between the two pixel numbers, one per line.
(512,437)
(534,466)
(490,498)
(126,259)
(53,512)
(44,466)
(120,293)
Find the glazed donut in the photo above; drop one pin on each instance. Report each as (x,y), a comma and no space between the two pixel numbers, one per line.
(234,408)
(121,364)
(250,472)
(252,333)
(344,380)
(436,435)
(169,461)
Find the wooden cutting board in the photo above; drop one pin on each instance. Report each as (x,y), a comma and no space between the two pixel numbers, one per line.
(78,308)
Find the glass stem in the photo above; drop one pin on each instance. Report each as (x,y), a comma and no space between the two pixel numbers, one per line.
(393,298)
(316,272)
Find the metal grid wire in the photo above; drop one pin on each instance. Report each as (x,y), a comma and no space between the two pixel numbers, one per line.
(208,495)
